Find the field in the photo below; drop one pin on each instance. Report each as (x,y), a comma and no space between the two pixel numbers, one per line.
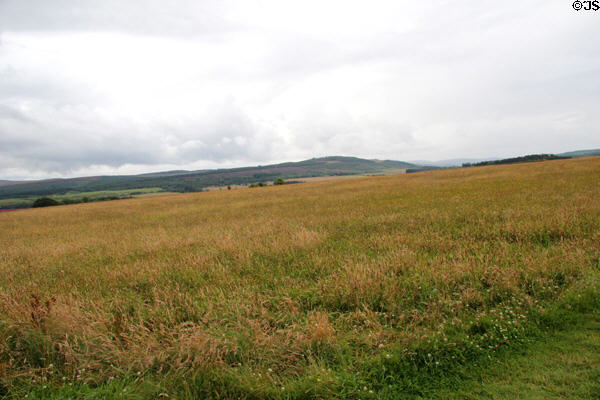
(78,196)
(311,179)
(398,286)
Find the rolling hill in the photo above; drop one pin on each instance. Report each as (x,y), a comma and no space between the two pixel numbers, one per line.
(193,181)
(20,194)
(581,153)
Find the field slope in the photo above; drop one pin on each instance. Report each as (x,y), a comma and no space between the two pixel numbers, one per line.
(381,287)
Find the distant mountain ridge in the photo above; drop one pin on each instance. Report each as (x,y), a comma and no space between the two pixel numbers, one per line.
(453,162)
(457,162)
(581,153)
(516,160)
(191,181)
(8,183)
(22,193)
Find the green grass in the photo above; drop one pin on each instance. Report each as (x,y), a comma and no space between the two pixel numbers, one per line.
(16,203)
(563,365)
(106,193)
(99,194)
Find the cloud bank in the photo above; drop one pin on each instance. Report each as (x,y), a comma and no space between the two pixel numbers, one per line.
(129,87)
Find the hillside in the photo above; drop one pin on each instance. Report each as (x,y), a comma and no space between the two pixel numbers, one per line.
(457,162)
(516,160)
(581,153)
(193,181)
(383,287)
(8,183)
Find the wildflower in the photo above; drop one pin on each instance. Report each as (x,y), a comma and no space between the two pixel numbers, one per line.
(388,355)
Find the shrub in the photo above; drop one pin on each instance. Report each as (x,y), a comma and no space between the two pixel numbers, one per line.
(45,202)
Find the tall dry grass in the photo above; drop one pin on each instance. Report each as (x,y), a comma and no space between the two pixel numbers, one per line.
(275,283)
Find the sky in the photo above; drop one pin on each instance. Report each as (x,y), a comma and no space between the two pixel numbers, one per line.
(126,87)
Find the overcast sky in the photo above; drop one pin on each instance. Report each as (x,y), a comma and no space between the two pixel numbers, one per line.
(112,86)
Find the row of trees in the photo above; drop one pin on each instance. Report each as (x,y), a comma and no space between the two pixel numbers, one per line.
(277,181)
(514,160)
(49,201)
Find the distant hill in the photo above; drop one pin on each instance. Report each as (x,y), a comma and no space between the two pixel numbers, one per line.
(169,173)
(581,153)
(458,162)
(522,159)
(8,183)
(192,181)
(19,194)
(454,162)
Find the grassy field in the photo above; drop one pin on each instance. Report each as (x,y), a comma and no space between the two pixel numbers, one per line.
(92,196)
(400,286)
(564,364)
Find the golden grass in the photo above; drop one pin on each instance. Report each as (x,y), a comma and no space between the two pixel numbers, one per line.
(281,277)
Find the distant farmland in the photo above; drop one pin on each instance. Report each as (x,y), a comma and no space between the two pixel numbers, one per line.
(22,194)
(378,287)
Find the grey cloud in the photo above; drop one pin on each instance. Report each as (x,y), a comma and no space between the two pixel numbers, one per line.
(223,134)
(152,17)
(469,79)
(11,113)
(16,85)
(343,133)
(60,145)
